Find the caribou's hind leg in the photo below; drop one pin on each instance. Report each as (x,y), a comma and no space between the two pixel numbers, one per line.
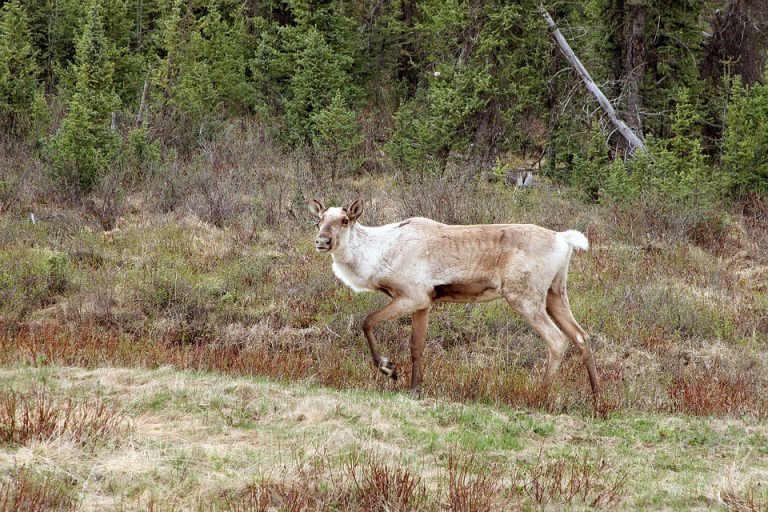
(536,315)
(560,310)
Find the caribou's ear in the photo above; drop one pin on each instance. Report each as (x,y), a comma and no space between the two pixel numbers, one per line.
(355,209)
(316,207)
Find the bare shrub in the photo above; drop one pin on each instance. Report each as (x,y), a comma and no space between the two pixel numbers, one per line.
(39,415)
(751,499)
(713,391)
(32,492)
(452,199)
(270,496)
(567,481)
(108,199)
(382,487)
(218,195)
(470,491)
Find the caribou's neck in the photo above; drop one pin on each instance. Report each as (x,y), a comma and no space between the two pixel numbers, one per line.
(356,258)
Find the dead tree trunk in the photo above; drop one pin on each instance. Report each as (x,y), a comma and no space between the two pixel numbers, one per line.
(633,140)
(636,67)
(143,103)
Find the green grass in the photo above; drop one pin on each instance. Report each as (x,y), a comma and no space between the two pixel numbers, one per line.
(194,435)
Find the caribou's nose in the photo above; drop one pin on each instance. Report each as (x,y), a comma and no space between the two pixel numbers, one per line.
(323,243)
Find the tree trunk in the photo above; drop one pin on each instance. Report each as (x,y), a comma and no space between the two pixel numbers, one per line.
(143,103)
(633,140)
(636,67)
(616,15)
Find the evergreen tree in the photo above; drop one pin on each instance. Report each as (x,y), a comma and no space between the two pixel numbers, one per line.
(204,73)
(745,144)
(21,95)
(85,145)
(320,75)
(336,134)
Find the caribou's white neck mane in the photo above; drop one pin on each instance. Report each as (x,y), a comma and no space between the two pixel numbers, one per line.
(358,254)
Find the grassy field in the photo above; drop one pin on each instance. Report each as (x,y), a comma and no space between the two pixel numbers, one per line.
(227,371)
(173,440)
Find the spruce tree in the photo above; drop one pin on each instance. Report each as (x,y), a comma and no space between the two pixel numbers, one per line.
(85,145)
(21,95)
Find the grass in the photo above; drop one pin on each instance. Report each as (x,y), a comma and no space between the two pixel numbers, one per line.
(220,365)
(38,415)
(206,441)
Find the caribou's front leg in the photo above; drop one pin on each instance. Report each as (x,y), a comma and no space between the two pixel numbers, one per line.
(400,306)
(419,324)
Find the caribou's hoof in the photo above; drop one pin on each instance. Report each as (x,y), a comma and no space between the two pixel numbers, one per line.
(415,393)
(387,368)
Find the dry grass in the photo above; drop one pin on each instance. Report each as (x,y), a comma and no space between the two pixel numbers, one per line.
(38,415)
(751,499)
(693,390)
(24,490)
(573,480)
(211,442)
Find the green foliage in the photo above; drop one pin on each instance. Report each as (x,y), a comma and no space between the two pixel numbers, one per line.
(590,170)
(21,95)
(745,140)
(85,146)
(674,39)
(142,153)
(443,82)
(484,87)
(336,134)
(673,173)
(435,123)
(319,77)
(31,279)
(203,74)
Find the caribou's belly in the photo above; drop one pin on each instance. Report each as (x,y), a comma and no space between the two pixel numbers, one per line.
(473,291)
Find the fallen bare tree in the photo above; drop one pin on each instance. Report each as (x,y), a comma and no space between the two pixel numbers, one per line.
(634,141)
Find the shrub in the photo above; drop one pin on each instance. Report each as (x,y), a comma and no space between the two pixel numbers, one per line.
(745,140)
(21,95)
(85,146)
(571,480)
(319,78)
(430,127)
(203,74)
(32,279)
(36,492)
(39,415)
(336,135)
(142,153)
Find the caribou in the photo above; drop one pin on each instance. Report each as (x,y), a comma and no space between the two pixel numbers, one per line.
(419,261)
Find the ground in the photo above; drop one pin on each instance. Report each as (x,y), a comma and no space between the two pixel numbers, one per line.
(189,438)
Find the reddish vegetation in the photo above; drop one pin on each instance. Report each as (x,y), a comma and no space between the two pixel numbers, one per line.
(468,491)
(713,392)
(39,415)
(35,493)
(374,485)
(748,500)
(698,391)
(567,481)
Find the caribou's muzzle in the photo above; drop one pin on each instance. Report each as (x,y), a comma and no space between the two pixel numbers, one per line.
(323,243)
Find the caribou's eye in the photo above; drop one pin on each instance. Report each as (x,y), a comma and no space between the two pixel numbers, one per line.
(345,221)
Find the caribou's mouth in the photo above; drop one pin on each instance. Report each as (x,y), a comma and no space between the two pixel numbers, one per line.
(322,248)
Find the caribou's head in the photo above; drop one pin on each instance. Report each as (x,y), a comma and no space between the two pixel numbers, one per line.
(333,223)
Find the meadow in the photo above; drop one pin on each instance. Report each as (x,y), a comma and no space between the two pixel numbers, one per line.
(199,355)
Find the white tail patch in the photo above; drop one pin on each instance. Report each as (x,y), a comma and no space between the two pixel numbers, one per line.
(575,239)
